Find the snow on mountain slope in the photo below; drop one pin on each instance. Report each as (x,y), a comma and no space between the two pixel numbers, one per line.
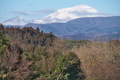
(66,14)
(15,21)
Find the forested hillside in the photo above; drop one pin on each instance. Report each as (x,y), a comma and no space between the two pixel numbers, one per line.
(28,35)
(31,54)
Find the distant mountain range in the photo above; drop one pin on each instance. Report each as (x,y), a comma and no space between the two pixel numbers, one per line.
(100,38)
(15,21)
(92,26)
(83,28)
(108,37)
(79,22)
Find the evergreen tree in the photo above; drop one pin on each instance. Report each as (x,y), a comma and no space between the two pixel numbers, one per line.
(3,42)
(1,27)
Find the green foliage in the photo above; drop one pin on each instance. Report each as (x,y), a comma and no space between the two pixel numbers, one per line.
(67,66)
(31,53)
(35,55)
(66,76)
(62,63)
(3,42)
(69,44)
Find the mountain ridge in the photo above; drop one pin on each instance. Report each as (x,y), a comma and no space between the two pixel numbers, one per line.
(92,26)
(15,21)
(81,28)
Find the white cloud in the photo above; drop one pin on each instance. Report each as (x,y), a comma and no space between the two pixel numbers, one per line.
(20,12)
(85,13)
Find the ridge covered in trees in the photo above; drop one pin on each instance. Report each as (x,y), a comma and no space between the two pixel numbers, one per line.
(28,35)
(31,54)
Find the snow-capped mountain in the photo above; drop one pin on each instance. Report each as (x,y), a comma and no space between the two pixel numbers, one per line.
(66,14)
(15,21)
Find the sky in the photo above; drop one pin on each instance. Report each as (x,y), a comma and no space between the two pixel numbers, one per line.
(37,9)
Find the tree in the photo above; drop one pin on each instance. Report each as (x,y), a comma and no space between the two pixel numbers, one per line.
(68,67)
(13,66)
(3,42)
(1,27)
(61,65)
(37,30)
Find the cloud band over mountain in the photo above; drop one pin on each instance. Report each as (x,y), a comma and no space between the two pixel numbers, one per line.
(67,14)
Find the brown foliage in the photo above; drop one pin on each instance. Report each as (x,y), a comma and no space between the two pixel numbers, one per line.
(22,71)
(12,56)
(28,35)
(13,65)
(100,60)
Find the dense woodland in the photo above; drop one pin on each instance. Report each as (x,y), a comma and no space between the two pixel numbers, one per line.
(31,54)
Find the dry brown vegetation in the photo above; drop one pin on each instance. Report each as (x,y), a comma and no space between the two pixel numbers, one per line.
(100,61)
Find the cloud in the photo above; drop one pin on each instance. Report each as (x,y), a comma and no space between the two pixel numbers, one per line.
(20,12)
(35,15)
(46,11)
(86,13)
(31,4)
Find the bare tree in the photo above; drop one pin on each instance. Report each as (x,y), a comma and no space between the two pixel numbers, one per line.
(13,65)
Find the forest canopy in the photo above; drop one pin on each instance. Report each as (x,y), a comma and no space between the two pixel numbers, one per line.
(31,54)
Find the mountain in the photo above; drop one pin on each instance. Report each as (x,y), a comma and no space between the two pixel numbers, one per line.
(66,14)
(108,37)
(104,38)
(89,26)
(15,21)
(76,37)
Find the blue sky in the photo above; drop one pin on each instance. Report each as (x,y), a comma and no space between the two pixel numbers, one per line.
(36,9)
